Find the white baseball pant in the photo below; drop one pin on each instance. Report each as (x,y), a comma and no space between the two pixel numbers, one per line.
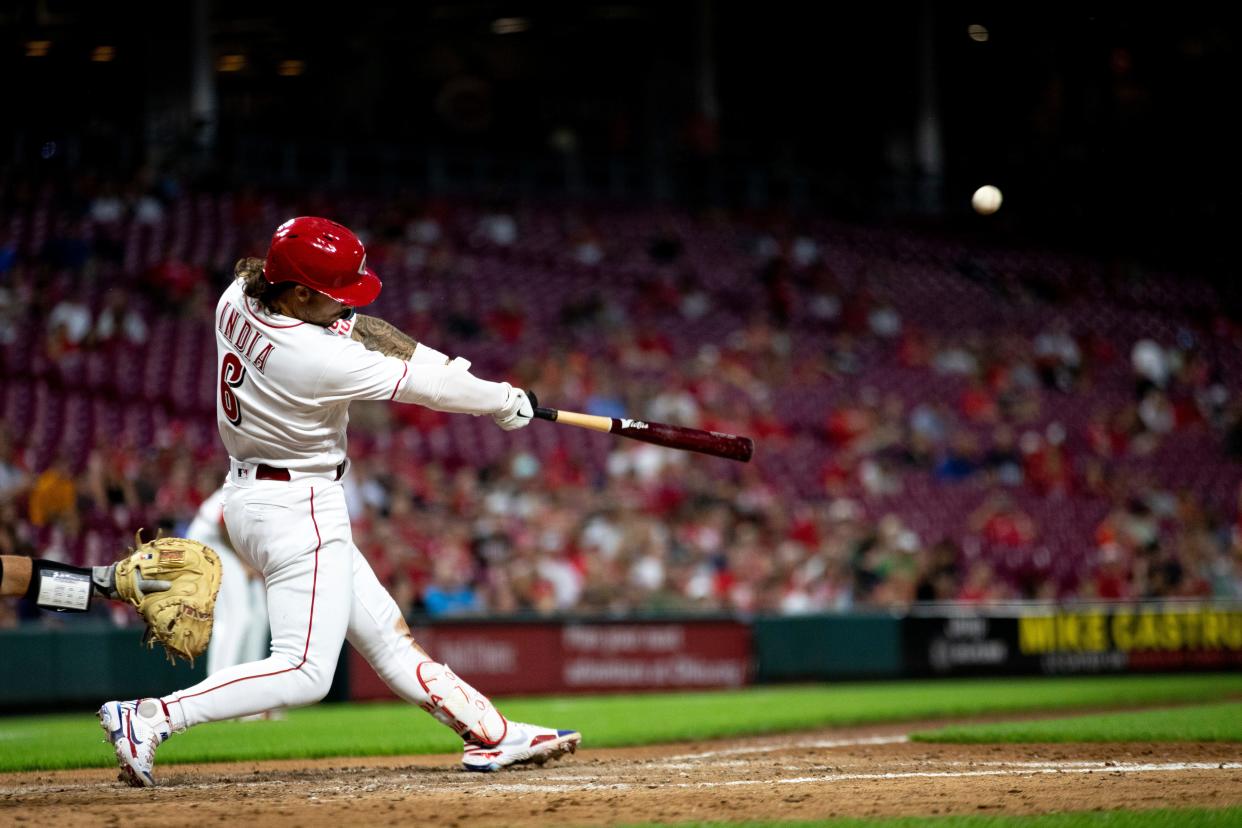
(320,591)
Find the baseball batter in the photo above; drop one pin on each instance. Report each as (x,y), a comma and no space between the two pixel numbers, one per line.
(293,355)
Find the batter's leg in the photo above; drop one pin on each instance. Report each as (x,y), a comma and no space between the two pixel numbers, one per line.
(309,612)
(379,632)
(307,628)
(308,605)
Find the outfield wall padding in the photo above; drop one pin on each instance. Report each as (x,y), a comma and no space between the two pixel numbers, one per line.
(825,647)
(82,665)
(531,657)
(85,664)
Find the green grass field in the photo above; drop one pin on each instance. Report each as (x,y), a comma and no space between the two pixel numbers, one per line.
(1205,723)
(69,741)
(1181,818)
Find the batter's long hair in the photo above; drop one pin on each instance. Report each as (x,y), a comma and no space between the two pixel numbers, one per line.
(255,284)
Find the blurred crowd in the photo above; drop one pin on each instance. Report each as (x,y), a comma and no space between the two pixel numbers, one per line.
(1004,464)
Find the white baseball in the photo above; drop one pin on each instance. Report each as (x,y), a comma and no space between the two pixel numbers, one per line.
(986,200)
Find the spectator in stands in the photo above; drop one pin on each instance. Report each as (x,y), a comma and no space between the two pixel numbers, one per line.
(822,298)
(605,399)
(68,325)
(1048,468)
(1001,523)
(1152,366)
(497,227)
(930,425)
(1110,580)
(981,586)
(13,477)
(955,359)
(849,424)
(939,576)
(450,592)
(884,321)
(106,483)
(120,321)
(1002,461)
(107,207)
(176,498)
(506,321)
(585,244)
(1165,574)
(146,206)
(175,280)
(1156,413)
(960,458)
(674,404)
(54,494)
(1133,526)
(560,526)
(978,403)
(842,356)
(1058,357)
(694,300)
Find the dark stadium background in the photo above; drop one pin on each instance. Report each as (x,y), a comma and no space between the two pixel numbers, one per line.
(1106,124)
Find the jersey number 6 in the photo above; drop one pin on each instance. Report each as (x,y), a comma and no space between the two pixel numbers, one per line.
(232,373)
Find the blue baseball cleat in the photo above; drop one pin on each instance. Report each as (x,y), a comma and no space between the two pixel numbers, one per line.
(135,729)
(523,744)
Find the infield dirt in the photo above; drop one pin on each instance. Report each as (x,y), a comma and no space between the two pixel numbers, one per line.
(858,772)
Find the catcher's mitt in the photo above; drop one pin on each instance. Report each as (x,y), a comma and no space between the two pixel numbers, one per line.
(179,617)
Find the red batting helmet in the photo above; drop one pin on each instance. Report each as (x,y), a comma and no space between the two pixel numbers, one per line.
(324,256)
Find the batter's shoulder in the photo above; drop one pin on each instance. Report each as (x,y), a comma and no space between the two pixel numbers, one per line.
(235,290)
(231,296)
(329,346)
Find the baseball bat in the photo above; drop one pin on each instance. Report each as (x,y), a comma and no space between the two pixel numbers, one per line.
(728,446)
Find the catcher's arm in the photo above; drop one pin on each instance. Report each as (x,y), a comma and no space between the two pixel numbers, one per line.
(171,582)
(59,587)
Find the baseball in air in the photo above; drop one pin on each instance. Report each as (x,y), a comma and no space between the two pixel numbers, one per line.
(986,200)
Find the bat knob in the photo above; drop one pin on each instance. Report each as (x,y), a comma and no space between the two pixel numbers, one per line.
(534,401)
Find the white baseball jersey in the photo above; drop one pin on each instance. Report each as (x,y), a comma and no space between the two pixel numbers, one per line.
(284,386)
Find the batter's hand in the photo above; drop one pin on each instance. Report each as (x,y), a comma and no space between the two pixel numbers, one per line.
(517,411)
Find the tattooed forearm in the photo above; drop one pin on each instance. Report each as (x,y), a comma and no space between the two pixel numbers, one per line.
(377,335)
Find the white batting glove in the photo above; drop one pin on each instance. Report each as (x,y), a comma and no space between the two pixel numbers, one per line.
(517,411)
